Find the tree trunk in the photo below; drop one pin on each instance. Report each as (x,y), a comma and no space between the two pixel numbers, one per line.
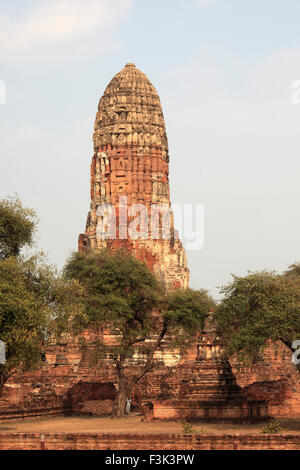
(3,378)
(125,387)
(2,382)
(149,361)
(119,406)
(288,344)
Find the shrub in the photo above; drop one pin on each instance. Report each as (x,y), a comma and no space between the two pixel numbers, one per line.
(272,428)
(187,427)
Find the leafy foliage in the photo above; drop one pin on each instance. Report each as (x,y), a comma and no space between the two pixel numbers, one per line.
(120,294)
(36,304)
(187,427)
(184,312)
(17,227)
(272,428)
(293,271)
(259,307)
(22,317)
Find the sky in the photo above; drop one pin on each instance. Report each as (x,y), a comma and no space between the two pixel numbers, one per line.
(224,71)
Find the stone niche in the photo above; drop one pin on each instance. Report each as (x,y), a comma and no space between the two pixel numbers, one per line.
(92,398)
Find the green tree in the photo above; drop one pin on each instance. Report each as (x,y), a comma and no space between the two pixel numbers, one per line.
(17,227)
(36,304)
(293,271)
(259,307)
(35,308)
(184,312)
(120,294)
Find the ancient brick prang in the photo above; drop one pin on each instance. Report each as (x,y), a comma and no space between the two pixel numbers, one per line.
(131,161)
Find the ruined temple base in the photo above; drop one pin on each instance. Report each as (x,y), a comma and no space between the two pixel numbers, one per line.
(241,411)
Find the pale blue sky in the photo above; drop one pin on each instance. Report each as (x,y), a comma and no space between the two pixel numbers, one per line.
(223,70)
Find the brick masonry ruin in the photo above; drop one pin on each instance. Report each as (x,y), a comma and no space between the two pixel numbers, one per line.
(92,441)
(131,159)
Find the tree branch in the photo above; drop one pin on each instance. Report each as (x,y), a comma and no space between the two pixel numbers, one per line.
(148,364)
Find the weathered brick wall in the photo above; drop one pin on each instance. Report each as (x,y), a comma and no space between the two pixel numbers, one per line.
(59,389)
(92,398)
(84,441)
(35,394)
(275,379)
(59,386)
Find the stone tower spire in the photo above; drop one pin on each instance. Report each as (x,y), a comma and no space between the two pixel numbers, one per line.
(131,160)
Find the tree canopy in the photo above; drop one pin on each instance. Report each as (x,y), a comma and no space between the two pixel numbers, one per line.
(36,303)
(259,307)
(117,289)
(35,307)
(184,312)
(22,318)
(122,295)
(17,227)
